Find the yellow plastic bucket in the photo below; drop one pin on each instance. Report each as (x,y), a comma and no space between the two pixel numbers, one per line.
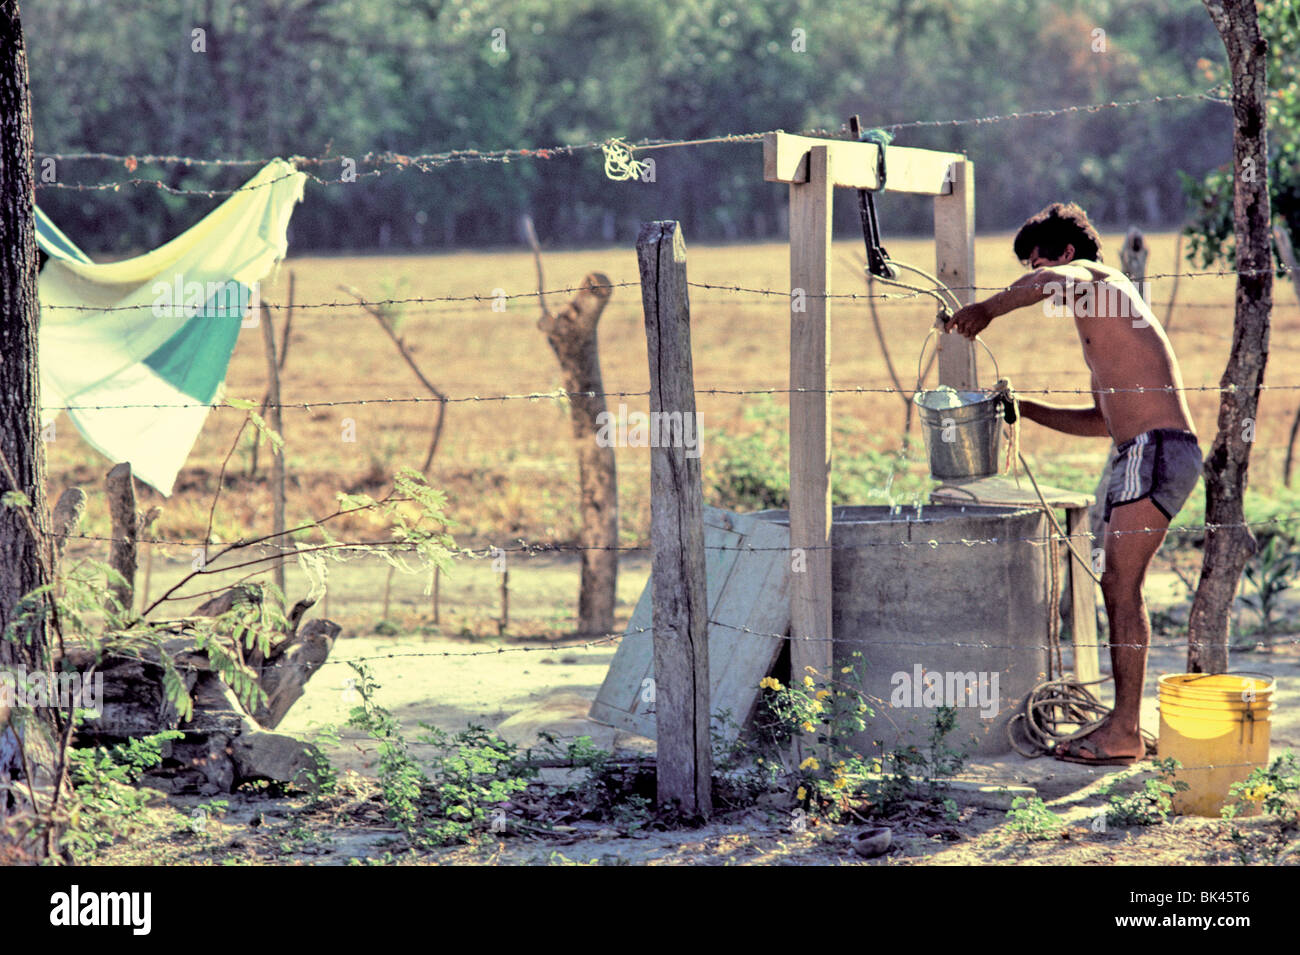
(1217,727)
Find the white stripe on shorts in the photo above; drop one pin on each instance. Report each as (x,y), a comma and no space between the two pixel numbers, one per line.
(1133,473)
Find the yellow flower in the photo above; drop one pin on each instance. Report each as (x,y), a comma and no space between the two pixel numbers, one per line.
(846,669)
(808,727)
(862,707)
(769,683)
(1260,791)
(822,694)
(808,681)
(841,782)
(801,794)
(814,706)
(810,763)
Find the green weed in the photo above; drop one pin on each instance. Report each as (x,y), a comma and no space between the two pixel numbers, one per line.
(471,773)
(1151,803)
(1031,817)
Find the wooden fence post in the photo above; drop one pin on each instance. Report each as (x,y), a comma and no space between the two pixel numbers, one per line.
(276,421)
(954,242)
(684,764)
(810,418)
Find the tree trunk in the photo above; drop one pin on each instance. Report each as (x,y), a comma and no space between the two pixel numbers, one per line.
(22,529)
(572,335)
(1133,261)
(1228,542)
(125,522)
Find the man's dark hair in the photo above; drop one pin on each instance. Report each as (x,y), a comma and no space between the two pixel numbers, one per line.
(1057,226)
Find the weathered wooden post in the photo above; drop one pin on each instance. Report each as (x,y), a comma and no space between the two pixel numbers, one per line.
(681,649)
(954,244)
(276,421)
(810,418)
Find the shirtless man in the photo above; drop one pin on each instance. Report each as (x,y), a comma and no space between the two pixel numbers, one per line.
(1158,460)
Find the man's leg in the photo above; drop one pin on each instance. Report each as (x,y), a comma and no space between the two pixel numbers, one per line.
(1133,535)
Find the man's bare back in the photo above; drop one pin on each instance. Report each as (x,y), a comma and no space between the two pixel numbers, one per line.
(1124,347)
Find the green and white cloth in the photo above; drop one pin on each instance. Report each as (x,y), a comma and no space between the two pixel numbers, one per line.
(137,350)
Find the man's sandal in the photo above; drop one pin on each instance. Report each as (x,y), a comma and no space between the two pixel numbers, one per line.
(1073,751)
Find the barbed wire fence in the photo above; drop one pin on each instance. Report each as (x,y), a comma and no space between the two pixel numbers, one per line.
(382,163)
(390,161)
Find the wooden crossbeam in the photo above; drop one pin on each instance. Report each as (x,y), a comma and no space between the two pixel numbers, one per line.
(920,171)
(813,168)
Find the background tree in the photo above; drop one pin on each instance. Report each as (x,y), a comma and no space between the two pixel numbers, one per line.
(345,77)
(1210,198)
(1229,543)
(22,453)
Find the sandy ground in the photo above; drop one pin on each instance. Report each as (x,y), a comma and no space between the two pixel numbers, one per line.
(520,687)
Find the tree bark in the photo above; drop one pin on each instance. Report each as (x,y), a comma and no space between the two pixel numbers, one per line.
(65,521)
(277,454)
(125,523)
(1228,542)
(23,538)
(1133,261)
(572,336)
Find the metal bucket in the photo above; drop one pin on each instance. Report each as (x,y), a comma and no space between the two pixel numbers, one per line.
(962,442)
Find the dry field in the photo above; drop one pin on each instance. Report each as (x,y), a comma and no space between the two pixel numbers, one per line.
(507,466)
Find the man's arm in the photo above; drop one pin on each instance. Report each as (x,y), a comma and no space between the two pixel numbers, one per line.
(1030,289)
(1084,422)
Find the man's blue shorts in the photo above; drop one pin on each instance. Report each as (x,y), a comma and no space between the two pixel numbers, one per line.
(1163,464)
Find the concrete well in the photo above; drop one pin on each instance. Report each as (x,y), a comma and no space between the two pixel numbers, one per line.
(919,612)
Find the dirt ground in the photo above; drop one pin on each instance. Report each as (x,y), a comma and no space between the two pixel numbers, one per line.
(519,688)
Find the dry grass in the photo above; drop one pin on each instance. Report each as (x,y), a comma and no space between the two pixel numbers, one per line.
(508,466)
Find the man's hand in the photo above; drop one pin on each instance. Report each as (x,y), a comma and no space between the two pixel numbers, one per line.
(970,320)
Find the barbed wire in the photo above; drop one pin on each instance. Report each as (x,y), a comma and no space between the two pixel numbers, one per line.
(867,643)
(854,296)
(175,310)
(600,640)
(515,309)
(288,375)
(178,191)
(1207,96)
(500,295)
(630,631)
(427,162)
(542,548)
(561,395)
(590,643)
